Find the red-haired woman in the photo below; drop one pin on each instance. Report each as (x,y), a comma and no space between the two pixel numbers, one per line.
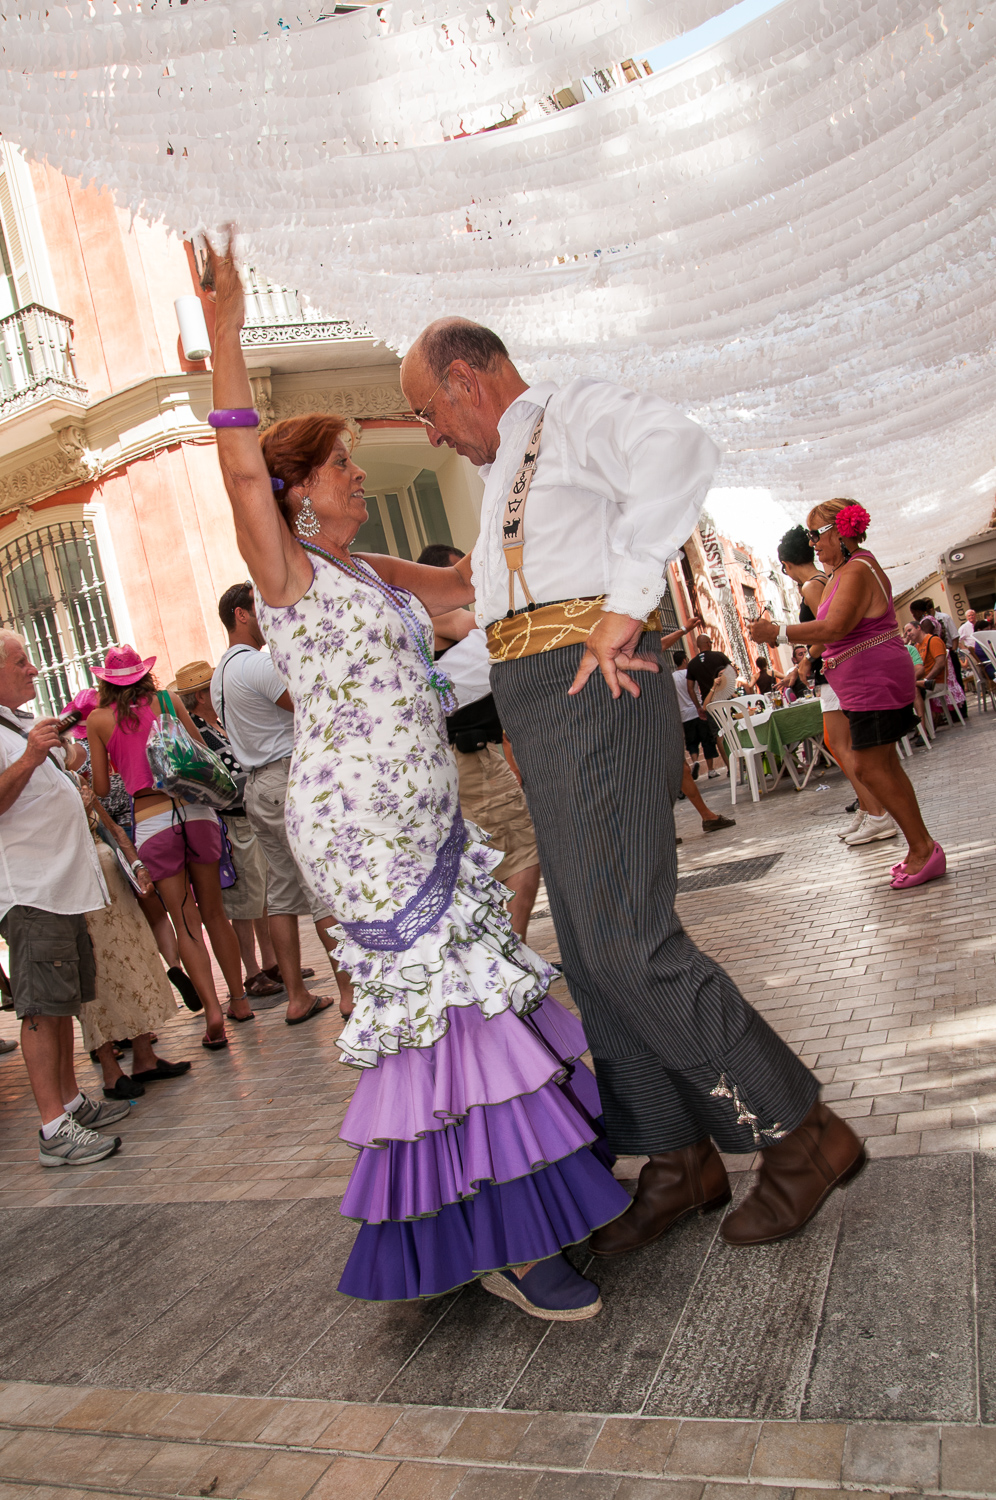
(869,668)
(179,843)
(476,1154)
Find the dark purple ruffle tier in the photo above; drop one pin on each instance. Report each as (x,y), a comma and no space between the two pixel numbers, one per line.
(506,1224)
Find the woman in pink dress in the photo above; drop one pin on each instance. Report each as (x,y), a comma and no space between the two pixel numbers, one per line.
(867,665)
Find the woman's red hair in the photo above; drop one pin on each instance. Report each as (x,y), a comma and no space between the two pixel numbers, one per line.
(296,446)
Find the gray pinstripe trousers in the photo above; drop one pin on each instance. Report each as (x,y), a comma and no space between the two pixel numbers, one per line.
(678,1052)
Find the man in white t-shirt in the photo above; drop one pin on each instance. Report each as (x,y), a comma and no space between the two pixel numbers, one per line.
(49,878)
(966,632)
(252,702)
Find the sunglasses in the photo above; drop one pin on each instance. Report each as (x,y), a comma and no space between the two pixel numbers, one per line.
(814,536)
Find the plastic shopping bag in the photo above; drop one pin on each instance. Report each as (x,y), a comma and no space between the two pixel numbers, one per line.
(183,768)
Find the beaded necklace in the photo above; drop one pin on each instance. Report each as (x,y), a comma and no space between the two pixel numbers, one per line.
(401,601)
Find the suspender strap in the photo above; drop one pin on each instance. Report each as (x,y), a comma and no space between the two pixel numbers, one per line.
(513,525)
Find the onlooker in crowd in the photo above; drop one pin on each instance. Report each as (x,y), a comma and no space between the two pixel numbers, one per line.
(696,725)
(119,807)
(133,996)
(245,901)
(49,879)
(795,683)
(869,668)
(251,700)
(454,624)
(922,608)
(938,665)
(710,675)
(490,794)
(966,632)
(763,679)
(179,842)
(712,822)
(795,550)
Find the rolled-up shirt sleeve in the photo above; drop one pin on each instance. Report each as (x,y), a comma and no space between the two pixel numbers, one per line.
(655,466)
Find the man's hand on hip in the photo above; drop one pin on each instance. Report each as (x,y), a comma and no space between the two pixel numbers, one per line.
(43,736)
(612,649)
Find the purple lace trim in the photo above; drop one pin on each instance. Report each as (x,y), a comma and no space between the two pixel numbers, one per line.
(423,910)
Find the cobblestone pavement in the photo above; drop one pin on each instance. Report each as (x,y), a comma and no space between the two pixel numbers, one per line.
(170,1321)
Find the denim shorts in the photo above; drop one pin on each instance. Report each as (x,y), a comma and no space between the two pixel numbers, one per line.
(52,969)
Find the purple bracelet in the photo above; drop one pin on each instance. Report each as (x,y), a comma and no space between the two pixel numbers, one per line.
(235,416)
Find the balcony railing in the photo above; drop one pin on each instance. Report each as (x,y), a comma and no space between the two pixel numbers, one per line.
(36,359)
(275,315)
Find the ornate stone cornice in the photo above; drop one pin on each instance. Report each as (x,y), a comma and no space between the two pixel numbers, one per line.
(357,401)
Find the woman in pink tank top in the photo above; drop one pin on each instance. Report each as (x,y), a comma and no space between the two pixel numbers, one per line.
(179,843)
(867,665)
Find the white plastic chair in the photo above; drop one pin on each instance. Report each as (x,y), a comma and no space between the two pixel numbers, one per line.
(939,694)
(731,717)
(980,681)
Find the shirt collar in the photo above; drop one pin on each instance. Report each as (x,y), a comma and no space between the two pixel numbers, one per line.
(533,399)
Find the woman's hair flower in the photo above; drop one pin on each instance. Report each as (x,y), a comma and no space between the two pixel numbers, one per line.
(853,520)
(276,485)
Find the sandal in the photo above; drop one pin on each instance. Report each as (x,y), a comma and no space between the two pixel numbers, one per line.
(320,1003)
(230,1014)
(214,1044)
(260,985)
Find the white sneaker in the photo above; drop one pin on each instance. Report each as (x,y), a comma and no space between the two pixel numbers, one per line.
(94,1115)
(854,824)
(713,775)
(872,829)
(72,1146)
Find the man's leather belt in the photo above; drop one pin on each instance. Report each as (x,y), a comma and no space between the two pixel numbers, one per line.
(548,627)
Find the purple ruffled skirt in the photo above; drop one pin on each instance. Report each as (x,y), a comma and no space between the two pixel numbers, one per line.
(480,1152)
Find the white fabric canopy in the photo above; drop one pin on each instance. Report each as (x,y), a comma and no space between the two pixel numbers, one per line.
(790,234)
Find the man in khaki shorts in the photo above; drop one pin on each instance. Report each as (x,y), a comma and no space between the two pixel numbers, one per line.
(252,702)
(490,793)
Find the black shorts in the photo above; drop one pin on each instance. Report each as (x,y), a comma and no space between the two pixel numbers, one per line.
(700,732)
(879,726)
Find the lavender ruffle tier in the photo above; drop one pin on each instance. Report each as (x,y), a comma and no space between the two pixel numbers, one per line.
(487,1153)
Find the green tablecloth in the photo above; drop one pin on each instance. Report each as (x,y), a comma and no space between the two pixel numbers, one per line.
(787,726)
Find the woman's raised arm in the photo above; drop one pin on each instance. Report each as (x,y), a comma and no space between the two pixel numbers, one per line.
(279,566)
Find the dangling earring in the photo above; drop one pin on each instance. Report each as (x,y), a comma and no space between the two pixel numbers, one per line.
(306,523)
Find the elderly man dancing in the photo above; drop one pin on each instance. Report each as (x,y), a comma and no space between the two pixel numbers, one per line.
(589,490)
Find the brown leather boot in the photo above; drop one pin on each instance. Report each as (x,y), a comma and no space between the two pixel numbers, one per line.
(797,1174)
(672,1184)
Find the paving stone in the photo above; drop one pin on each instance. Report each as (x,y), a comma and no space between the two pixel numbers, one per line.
(745,1342)
(285,1476)
(635,1444)
(353,1479)
(191,1416)
(723,1449)
(423,1482)
(985,1253)
(562,1440)
(488,1435)
(609,1363)
(900,1456)
(968,1459)
(498,1484)
(422,1432)
(171,1470)
(359,1429)
(659,1489)
(794,1451)
(896,1339)
(575,1487)
(299,1423)
(242,1421)
(226,1471)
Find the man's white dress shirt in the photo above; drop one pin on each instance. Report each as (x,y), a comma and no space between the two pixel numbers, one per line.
(47,853)
(248,684)
(618,487)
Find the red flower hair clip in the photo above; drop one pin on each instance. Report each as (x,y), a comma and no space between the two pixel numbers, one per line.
(853,520)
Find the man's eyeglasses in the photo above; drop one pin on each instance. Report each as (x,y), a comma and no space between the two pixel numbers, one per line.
(814,536)
(421,413)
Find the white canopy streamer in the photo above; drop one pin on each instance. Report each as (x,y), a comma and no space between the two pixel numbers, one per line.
(790,234)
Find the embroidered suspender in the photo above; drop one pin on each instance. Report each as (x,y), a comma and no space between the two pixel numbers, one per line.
(513,526)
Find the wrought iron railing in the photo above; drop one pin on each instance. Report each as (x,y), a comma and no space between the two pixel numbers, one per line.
(36,358)
(276,315)
(52,592)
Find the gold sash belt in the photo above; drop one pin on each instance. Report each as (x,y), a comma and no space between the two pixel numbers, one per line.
(548,627)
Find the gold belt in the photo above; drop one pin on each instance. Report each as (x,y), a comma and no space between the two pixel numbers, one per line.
(549,626)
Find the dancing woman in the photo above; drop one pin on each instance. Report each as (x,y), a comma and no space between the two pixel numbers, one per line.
(476,1123)
(867,665)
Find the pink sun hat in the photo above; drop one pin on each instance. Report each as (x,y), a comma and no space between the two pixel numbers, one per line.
(123,666)
(85,702)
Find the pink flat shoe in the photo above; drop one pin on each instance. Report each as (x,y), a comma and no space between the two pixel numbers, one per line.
(901,866)
(935,867)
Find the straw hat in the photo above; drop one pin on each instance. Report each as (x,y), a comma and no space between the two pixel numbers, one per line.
(196,674)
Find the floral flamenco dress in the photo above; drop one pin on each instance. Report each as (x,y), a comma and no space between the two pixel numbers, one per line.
(477,1126)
